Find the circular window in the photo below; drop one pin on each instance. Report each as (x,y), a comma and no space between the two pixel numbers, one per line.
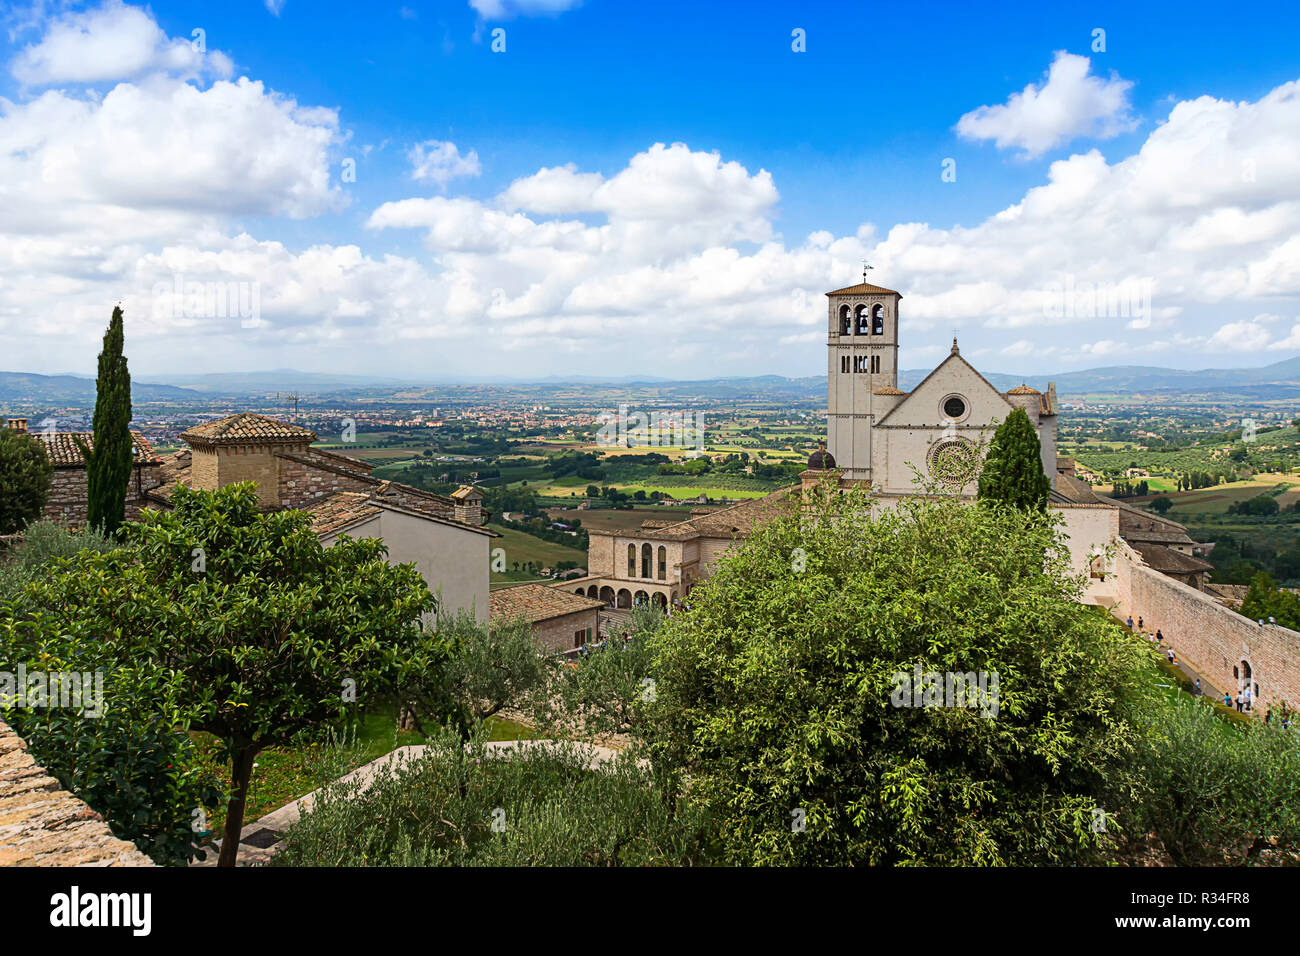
(953,461)
(954,407)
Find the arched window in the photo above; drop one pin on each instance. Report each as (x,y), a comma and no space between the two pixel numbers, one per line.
(631,560)
(845,322)
(663,563)
(645,561)
(860,319)
(878,320)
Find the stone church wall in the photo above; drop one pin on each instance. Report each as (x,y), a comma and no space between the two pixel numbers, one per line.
(1211,638)
(67,501)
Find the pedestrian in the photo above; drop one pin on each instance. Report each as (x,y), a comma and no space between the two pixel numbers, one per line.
(1130,622)
(1248,698)
(1198,687)
(1227,699)
(1139,622)
(1160,638)
(1170,655)
(1239,702)
(1268,717)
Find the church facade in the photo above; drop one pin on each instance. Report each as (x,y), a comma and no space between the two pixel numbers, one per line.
(897,441)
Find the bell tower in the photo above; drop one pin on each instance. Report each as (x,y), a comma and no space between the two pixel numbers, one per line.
(862,355)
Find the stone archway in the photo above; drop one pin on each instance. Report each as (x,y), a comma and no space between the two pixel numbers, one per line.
(640,598)
(624,598)
(607,594)
(659,600)
(592,591)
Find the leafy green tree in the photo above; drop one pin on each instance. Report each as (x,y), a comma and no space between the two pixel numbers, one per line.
(488,668)
(108,462)
(1213,792)
(1265,600)
(1013,468)
(25,472)
(1161,505)
(776,694)
(126,753)
(272,633)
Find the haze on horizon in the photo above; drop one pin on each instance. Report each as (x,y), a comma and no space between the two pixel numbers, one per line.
(402,200)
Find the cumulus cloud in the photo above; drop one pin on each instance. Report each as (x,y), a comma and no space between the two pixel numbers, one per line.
(111,42)
(672,260)
(1071,103)
(440,162)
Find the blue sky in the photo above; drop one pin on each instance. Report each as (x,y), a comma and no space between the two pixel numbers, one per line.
(1166,162)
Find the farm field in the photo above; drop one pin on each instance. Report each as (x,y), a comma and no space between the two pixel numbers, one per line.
(1216,500)
(522,548)
(611,519)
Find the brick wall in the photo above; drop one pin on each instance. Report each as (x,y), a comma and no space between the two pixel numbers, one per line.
(1211,638)
(43,825)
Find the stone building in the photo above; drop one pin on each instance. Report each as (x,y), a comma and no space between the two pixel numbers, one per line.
(560,621)
(443,536)
(880,435)
(662,560)
(68,499)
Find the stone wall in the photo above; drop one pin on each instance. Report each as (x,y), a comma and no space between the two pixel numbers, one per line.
(67,501)
(1211,638)
(557,634)
(44,825)
(304,478)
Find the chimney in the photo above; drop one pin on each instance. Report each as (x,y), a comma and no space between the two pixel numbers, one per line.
(469,505)
(18,424)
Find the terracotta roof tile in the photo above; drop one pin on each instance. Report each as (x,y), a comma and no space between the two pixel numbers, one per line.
(61,447)
(247,427)
(864,288)
(537,602)
(1024,390)
(889,390)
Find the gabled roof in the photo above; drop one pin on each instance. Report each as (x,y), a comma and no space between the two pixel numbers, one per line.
(62,449)
(246,427)
(865,288)
(953,356)
(537,602)
(1168,561)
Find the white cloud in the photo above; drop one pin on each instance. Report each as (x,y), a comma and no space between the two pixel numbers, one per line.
(440,162)
(672,261)
(111,42)
(1070,104)
(274,7)
(509,9)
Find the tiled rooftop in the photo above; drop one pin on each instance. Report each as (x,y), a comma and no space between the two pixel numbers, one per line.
(536,602)
(61,447)
(247,427)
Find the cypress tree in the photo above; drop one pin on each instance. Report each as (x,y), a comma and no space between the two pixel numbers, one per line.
(1013,469)
(108,463)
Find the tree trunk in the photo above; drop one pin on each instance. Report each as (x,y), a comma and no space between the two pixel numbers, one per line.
(241,774)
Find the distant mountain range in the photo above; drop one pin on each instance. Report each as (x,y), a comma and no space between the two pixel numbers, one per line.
(1278,380)
(75,390)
